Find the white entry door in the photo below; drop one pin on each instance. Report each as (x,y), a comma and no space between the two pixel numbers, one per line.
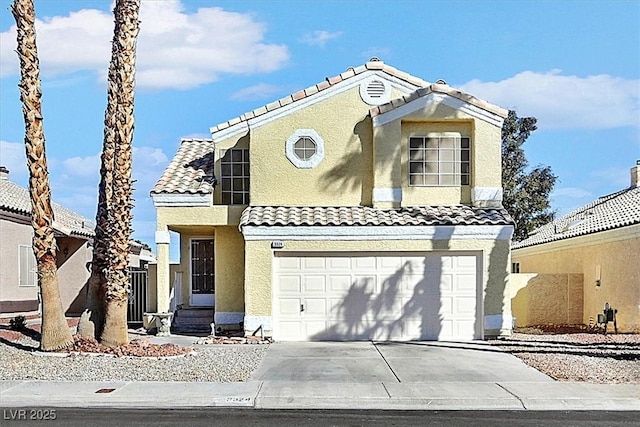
(433,296)
(202,292)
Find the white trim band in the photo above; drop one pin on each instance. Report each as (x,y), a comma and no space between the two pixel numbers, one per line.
(251,323)
(429,232)
(486,196)
(387,195)
(228,317)
(182,199)
(163,237)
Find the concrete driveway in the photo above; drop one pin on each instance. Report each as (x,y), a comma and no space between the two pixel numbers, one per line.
(389,362)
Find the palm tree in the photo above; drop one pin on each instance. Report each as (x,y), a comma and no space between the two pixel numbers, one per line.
(119,205)
(55,331)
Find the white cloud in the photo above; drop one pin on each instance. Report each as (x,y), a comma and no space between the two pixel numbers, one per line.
(13,157)
(565,102)
(256,92)
(320,37)
(82,167)
(571,192)
(175,49)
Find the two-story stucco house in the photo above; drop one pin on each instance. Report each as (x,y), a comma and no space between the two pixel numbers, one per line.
(367,206)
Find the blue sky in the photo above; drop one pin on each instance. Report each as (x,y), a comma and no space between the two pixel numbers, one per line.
(575,65)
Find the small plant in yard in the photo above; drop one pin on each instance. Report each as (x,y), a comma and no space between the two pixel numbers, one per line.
(18,323)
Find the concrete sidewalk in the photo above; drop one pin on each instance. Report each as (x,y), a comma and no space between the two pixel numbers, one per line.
(323,395)
(356,375)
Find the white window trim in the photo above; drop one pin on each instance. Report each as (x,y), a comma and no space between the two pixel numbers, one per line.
(439,135)
(290,149)
(33,280)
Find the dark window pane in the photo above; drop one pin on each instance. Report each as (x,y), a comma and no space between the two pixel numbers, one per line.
(464,179)
(225,169)
(416,180)
(416,142)
(236,155)
(226,184)
(464,155)
(416,167)
(245,155)
(464,143)
(226,198)
(238,199)
(237,184)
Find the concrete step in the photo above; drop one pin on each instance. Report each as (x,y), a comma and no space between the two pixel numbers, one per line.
(194,313)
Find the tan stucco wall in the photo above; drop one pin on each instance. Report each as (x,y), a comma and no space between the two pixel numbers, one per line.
(73,273)
(13,235)
(615,253)
(495,255)
(72,267)
(229,250)
(541,299)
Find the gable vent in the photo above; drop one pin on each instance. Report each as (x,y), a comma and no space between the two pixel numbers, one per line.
(376,89)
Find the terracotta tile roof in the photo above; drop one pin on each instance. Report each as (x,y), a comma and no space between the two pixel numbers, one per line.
(190,170)
(373,65)
(361,215)
(615,210)
(438,88)
(15,199)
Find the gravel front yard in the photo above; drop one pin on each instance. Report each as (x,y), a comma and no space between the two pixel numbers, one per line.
(583,357)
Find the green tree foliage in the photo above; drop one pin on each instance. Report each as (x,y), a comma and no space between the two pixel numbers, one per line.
(526,192)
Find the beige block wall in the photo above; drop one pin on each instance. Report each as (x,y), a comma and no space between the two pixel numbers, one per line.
(543,299)
(494,259)
(229,250)
(72,267)
(615,255)
(13,235)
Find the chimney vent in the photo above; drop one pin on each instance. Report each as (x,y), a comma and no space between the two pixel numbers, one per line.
(635,175)
(4,172)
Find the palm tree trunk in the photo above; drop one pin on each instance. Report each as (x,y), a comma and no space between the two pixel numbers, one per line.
(93,324)
(55,331)
(117,290)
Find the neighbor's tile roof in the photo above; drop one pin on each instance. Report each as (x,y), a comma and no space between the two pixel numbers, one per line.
(190,170)
(615,210)
(439,88)
(15,199)
(361,215)
(373,64)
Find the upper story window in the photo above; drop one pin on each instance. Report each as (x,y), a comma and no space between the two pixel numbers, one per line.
(305,148)
(234,175)
(441,160)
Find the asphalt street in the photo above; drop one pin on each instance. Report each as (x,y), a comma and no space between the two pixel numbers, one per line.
(77,417)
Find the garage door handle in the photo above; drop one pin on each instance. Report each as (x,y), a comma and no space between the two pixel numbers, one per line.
(301,307)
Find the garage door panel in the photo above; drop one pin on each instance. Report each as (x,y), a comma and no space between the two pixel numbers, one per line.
(315,307)
(290,284)
(465,306)
(289,263)
(314,284)
(313,263)
(465,282)
(339,264)
(289,306)
(422,297)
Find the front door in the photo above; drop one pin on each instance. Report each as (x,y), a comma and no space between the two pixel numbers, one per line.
(202,273)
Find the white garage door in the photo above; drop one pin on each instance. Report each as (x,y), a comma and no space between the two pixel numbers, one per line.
(377,297)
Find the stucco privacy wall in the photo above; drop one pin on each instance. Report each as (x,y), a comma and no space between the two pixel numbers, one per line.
(495,253)
(540,299)
(343,177)
(614,255)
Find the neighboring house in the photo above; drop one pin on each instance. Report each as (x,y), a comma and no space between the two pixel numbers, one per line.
(570,268)
(367,206)
(19,291)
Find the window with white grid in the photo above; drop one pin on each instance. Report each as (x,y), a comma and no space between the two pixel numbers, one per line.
(439,161)
(27,265)
(234,168)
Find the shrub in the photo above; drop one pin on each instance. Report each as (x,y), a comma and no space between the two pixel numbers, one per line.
(18,323)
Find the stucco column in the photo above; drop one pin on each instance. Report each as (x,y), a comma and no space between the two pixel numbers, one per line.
(163,283)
